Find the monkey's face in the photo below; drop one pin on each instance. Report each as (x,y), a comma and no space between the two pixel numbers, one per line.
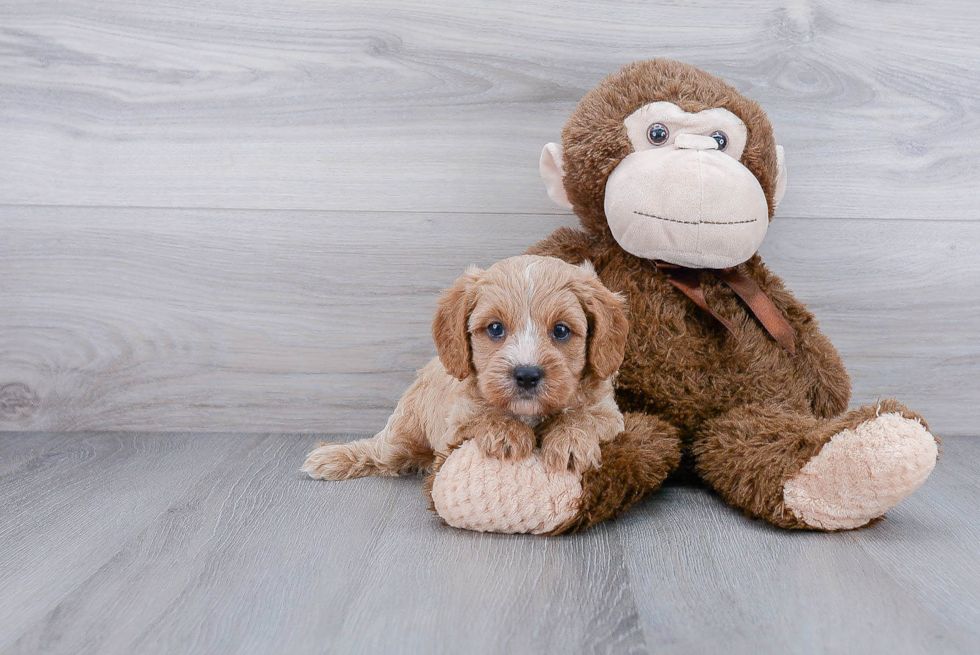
(682,196)
(684,187)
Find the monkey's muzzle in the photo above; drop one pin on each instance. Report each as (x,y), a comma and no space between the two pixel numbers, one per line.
(689,205)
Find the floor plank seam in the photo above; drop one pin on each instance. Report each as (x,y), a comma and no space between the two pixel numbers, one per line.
(425,212)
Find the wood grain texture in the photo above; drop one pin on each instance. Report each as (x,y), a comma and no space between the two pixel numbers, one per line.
(703,575)
(100,492)
(214,543)
(255,557)
(444,106)
(128,319)
(933,562)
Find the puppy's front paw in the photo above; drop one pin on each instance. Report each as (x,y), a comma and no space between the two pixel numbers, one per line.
(570,449)
(505,440)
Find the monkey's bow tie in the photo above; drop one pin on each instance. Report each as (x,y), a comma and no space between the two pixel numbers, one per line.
(688,282)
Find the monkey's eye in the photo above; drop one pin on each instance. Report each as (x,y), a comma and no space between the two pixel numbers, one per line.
(658,134)
(561,332)
(496,331)
(721,138)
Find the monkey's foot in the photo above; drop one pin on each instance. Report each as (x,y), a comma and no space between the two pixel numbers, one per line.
(862,472)
(479,492)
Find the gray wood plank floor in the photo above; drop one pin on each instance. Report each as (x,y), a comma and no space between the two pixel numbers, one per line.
(214,543)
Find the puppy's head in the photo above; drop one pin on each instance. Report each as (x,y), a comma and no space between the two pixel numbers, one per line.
(530,329)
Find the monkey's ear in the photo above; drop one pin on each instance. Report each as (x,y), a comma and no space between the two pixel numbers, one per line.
(450,328)
(553,175)
(780,177)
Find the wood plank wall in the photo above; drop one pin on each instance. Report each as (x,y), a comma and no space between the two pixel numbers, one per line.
(235,215)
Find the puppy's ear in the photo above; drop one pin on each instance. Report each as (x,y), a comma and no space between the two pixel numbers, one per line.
(449,328)
(608,325)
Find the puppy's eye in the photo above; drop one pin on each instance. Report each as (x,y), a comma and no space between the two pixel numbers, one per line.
(721,138)
(496,331)
(658,134)
(561,332)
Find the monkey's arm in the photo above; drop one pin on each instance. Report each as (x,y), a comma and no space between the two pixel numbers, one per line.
(816,359)
(470,490)
(568,244)
(634,464)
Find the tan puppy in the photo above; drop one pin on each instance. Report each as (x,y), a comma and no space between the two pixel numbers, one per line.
(527,351)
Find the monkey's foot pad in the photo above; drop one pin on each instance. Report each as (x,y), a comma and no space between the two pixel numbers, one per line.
(476,492)
(862,473)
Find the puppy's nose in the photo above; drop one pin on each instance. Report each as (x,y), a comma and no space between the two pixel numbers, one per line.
(527,377)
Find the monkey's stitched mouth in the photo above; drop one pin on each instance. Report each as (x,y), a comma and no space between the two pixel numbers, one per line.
(674,220)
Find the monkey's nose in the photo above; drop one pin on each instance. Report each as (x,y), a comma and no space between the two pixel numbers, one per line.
(695,142)
(527,377)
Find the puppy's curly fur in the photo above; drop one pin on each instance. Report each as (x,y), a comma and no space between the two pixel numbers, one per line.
(527,352)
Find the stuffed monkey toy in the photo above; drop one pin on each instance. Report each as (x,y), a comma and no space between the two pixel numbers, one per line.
(674,177)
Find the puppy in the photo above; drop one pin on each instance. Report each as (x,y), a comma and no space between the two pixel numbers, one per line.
(527,352)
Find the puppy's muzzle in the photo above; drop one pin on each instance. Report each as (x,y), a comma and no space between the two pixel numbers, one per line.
(527,378)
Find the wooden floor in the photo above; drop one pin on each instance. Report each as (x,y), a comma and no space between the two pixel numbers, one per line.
(191,543)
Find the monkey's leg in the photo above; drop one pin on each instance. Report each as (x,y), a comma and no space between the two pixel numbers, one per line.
(472,491)
(634,464)
(798,471)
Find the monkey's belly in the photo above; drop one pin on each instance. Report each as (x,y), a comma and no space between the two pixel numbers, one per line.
(690,375)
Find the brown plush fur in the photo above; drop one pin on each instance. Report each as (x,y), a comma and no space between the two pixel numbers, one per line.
(747,412)
(638,460)
(770,444)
